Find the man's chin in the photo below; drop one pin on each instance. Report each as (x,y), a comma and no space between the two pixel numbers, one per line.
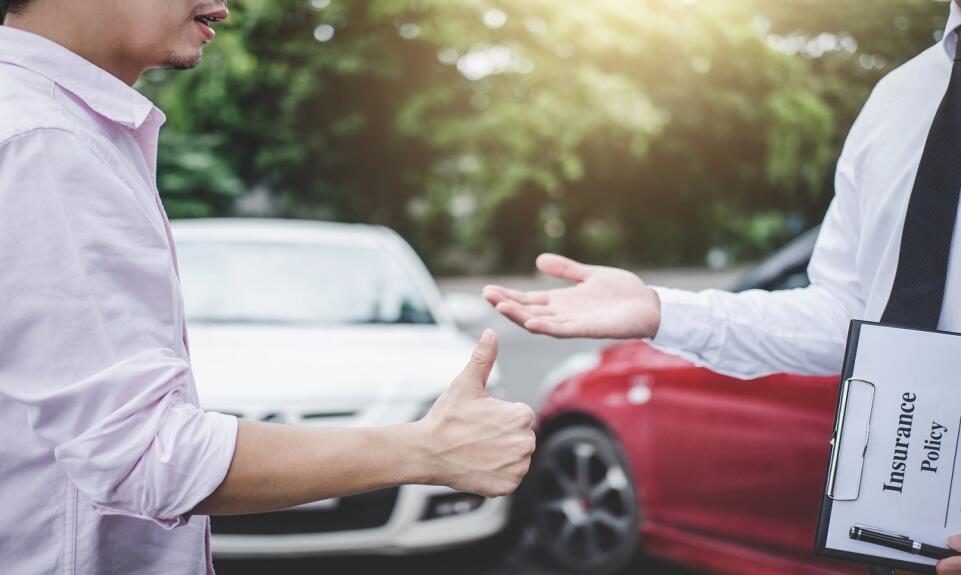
(182,62)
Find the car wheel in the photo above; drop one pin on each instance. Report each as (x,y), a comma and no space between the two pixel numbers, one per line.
(583,501)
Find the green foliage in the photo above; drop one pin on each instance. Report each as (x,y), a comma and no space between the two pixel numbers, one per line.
(637,132)
(197,183)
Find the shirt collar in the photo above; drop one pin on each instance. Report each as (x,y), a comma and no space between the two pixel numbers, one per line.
(101,91)
(950,39)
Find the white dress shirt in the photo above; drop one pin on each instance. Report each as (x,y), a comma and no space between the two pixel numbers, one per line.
(103,449)
(803,331)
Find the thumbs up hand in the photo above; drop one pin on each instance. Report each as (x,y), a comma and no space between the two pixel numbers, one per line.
(479,444)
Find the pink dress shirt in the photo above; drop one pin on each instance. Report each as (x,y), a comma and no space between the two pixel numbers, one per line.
(103,448)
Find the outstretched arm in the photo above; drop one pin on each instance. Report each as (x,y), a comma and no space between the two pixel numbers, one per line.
(469,441)
(745,334)
(90,354)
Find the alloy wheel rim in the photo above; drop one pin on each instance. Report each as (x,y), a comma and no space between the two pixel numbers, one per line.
(586,508)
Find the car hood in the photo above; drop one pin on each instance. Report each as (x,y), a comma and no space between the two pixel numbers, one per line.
(347,366)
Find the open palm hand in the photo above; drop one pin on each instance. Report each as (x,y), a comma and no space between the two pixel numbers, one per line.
(604,303)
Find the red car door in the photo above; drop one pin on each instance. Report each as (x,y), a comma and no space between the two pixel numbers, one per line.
(737,460)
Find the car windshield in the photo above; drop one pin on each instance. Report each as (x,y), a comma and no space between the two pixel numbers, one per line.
(297,284)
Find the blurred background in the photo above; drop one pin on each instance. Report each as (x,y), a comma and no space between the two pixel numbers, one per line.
(642,133)
(685,138)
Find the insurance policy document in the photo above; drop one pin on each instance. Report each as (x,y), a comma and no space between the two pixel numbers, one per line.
(898,443)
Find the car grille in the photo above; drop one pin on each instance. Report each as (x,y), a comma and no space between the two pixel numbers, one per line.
(365,511)
(314,418)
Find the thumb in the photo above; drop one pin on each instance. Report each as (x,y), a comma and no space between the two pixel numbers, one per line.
(475,374)
(564,268)
(955,542)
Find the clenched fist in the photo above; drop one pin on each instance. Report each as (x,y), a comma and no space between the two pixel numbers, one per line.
(479,444)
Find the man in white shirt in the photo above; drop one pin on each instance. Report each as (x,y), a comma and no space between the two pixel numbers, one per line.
(107,464)
(886,251)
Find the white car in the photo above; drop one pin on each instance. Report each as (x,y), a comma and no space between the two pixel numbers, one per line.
(327,325)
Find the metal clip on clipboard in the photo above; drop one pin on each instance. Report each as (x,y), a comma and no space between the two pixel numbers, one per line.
(836,439)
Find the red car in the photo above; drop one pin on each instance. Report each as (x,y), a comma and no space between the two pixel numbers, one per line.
(643,452)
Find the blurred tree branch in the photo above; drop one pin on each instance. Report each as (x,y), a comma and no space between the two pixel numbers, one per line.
(633,132)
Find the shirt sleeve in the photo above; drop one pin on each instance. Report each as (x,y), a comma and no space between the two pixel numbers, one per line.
(800,331)
(90,330)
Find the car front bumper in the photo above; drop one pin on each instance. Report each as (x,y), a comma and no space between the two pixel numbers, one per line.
(405,532)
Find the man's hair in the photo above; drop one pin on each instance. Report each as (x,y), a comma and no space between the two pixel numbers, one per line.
(12,7)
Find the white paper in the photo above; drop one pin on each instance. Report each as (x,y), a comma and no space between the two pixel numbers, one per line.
(916,374)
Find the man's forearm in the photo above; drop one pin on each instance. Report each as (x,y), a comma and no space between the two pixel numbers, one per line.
(757,333)
(468,441)
(279,466)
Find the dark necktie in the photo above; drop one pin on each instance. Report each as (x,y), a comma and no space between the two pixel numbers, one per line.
(918,291)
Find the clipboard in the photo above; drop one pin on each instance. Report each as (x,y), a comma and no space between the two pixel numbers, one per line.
(863,430)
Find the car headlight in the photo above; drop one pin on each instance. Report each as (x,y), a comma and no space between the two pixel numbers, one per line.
(573,365)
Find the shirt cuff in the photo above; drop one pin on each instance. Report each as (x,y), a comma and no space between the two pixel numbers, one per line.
(212,441)
(218,457)
(685,322)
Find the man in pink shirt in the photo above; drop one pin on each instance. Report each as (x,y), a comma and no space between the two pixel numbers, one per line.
(107,464)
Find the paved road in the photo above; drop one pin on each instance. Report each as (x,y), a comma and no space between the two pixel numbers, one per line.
(524,360)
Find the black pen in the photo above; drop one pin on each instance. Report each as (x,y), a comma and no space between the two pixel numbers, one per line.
(899,542)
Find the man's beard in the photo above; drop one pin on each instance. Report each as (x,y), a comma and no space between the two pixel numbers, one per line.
(178,62)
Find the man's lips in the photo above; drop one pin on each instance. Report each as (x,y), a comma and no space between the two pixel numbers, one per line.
(206,19)
(207,32)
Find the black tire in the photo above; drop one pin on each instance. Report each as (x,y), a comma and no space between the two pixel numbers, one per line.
(583,502)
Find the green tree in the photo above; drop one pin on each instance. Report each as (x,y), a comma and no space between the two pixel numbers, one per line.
(485,131)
